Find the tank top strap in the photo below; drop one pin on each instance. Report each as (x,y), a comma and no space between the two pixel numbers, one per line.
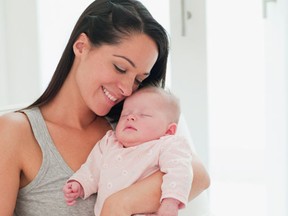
(39,127)
(43,195)
(43,137)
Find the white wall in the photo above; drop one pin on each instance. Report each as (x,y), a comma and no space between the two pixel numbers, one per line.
(237,121)
(189,68)
(56,19)
(276,34)
(3,70)
(189,80)
(19,68)
(247,70)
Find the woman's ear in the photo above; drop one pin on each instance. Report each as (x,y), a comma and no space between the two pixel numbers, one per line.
(81,44)
(171,129)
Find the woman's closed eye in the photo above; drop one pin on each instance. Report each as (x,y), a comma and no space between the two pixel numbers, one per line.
(123,71)
(119,69)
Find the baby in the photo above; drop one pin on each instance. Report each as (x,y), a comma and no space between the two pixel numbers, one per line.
(143,142)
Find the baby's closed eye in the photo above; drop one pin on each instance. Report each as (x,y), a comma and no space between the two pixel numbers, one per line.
(145,115)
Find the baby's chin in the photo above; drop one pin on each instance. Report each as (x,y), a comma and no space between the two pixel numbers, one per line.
(128,143)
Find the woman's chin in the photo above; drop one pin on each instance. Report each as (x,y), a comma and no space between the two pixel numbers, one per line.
(102,112)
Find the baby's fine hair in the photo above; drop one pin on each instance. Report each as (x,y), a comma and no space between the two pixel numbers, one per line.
(170,99)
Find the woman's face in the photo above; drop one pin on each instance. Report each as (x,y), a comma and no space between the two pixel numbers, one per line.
(107,74)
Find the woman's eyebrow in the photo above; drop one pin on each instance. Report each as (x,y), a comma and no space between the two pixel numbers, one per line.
(127,59)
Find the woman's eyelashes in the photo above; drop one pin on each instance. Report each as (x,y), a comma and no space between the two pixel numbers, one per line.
(119,69)
(123,71)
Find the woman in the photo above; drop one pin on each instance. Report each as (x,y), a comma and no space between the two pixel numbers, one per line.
(115,48)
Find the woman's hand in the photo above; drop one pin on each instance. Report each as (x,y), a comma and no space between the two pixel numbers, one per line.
(141,197)
(169,207)
(201,179)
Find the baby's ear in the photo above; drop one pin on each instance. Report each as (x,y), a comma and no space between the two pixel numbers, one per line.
(171,129)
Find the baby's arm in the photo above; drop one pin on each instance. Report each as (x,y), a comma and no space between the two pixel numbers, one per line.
(72,190)
(175,161)
(144,195)
(84,181)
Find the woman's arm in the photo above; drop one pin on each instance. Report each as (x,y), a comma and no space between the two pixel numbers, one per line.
(9,167)
(201,179)
(144,196)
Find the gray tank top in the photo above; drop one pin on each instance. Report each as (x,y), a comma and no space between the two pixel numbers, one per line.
(43,196)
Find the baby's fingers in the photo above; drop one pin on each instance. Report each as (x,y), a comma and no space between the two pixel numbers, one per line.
(71,203)
(70,198)
(66,188)
(75,187)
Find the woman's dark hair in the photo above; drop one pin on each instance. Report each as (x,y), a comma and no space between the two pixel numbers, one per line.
(107,22)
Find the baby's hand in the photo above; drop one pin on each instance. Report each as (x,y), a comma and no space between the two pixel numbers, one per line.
(72,190)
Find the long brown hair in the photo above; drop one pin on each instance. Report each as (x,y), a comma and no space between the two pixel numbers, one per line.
(108,21)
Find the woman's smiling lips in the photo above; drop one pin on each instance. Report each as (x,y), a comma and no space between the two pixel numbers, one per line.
(109,95)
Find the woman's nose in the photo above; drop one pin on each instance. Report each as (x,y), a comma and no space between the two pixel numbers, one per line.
(126,86)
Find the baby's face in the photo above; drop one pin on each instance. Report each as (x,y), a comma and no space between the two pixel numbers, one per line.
(143,118)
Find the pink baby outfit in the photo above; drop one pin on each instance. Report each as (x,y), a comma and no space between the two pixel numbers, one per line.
(111,167)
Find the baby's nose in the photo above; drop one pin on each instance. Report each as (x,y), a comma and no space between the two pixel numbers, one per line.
(131,117)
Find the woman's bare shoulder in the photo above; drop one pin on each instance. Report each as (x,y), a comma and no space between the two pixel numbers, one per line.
(14,127)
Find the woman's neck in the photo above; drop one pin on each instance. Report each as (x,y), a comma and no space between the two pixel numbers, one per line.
(68,107)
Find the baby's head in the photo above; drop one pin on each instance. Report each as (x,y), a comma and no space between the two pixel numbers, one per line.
(148,114)
(158,98)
